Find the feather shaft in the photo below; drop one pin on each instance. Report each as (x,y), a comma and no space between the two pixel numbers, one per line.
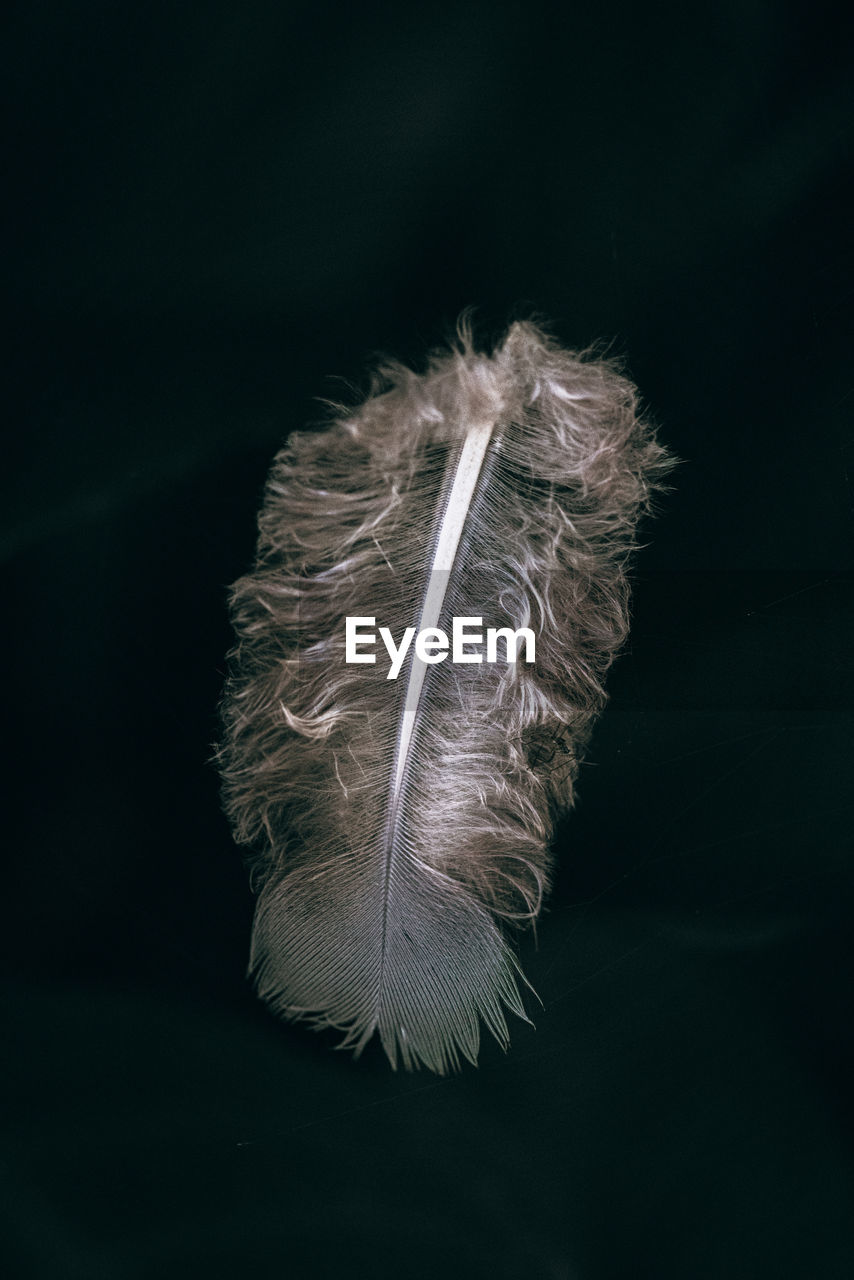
(465,480)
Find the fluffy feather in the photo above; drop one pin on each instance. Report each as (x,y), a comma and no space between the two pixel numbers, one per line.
(399,826)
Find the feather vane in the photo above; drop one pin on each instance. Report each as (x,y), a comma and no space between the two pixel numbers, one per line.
(401,827)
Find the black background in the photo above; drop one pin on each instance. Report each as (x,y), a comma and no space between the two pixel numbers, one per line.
(216,208)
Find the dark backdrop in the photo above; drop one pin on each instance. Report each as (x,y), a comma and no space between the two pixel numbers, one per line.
(216,208)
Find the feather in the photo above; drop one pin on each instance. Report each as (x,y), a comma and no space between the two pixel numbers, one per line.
(401,826)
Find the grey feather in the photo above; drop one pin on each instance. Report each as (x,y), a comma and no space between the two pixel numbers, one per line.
(401,827)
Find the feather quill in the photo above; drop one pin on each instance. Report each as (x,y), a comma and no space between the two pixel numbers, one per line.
(400,827)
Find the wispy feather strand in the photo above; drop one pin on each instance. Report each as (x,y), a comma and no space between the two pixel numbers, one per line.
(400,826)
